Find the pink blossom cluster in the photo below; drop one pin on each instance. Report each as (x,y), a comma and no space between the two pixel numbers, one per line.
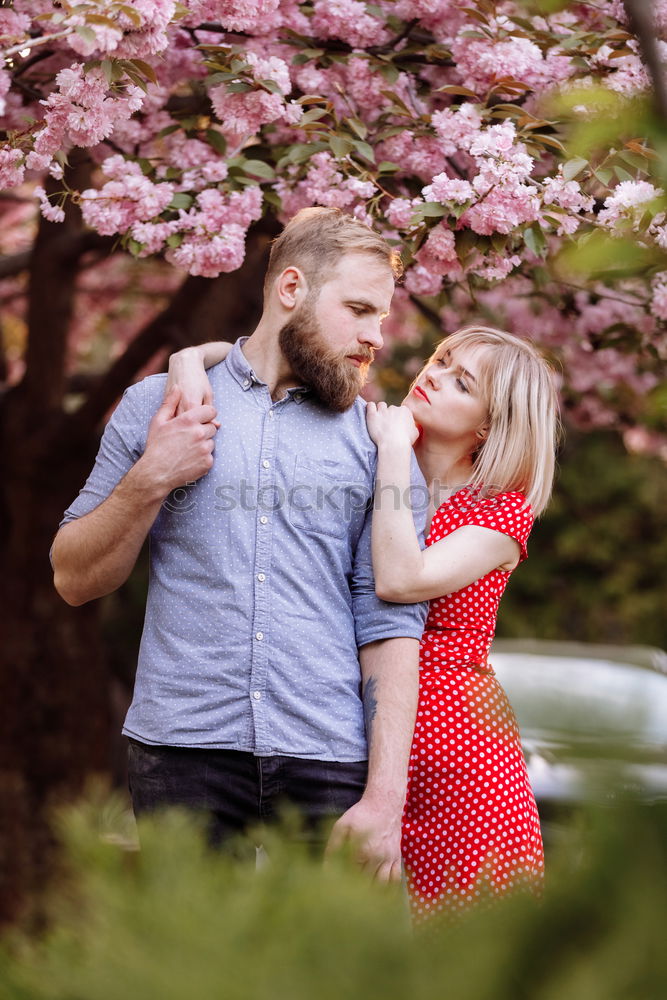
(324,184)
(12,170)
(347,20)
(212,232)
(481,61)
(127,198)
(208,255)
(659,296)
(243,114)
(129,29)
(252,16)
(628,198)
(81,111)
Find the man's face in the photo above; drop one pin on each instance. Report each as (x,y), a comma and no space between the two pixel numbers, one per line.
(331,339)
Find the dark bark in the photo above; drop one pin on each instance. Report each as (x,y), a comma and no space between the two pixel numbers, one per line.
(55,702)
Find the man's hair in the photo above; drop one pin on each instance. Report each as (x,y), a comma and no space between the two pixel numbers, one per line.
(316,239)
(518,384)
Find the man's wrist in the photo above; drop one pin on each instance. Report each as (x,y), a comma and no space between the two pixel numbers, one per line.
(142,486)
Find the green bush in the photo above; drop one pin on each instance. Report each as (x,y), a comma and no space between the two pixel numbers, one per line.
(177,921)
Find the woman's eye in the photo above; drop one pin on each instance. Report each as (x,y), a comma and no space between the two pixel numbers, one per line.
(462,386)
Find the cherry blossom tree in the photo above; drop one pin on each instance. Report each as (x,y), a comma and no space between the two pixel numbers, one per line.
(150,149)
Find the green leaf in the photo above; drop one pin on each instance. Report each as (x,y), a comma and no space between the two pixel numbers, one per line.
(365,150)
(134,247)
(622,174)
(357,127)
(181,200)
(386,167)
(340,147)
(216,140)
(273,198)
(259,168)
(87,34)
(433,210)
(145,68)
(535,240)
(238,88)
(389,72)
(175,240)
(573,167)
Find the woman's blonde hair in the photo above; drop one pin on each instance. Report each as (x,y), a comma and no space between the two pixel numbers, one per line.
(519,450)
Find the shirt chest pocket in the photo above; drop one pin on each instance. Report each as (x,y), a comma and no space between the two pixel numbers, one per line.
(328,498)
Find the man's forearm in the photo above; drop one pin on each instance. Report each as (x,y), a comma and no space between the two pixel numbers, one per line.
(390,682)
(95,554)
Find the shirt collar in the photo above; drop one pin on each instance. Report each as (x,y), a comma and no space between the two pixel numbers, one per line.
(245,376)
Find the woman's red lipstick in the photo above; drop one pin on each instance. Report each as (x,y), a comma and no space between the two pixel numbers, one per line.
(419,391)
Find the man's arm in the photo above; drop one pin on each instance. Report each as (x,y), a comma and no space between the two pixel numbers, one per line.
(95,554)
(389,671)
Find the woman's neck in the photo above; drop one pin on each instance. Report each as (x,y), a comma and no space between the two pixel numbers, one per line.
(444,467)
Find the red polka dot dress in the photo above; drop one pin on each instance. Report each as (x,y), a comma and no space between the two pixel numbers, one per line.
(470,828)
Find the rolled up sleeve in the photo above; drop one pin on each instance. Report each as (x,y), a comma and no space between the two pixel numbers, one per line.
(375,619)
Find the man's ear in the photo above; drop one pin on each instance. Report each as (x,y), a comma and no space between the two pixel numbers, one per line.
(291,287)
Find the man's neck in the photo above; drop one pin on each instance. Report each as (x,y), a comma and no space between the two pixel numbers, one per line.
(263,354)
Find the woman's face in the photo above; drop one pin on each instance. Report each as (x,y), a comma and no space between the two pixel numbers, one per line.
(447,399)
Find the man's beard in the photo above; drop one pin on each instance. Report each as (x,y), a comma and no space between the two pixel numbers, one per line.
(333,378)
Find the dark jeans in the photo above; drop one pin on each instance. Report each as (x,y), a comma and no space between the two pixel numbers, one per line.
(238,790)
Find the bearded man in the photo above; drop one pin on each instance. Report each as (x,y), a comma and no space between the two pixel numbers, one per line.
(269,672)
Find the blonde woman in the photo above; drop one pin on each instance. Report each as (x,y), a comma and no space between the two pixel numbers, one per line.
(482,418)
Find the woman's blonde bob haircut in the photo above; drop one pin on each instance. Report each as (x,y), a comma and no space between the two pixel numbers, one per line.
(519,450)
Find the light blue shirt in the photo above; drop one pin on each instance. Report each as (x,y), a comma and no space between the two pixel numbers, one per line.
(261,586)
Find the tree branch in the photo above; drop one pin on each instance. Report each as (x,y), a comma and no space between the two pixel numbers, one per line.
(640,15)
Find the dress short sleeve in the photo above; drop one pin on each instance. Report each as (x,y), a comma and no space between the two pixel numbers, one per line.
(508,513)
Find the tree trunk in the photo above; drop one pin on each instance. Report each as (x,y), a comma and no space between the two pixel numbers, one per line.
(55,703)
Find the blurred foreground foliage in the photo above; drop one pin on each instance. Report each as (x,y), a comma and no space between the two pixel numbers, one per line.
(175,920)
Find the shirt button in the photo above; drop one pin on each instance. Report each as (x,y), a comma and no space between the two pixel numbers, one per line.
(261,577)
(271,414)
(266,463)
(263,519)
(246,383)
(257,695)
(259,635)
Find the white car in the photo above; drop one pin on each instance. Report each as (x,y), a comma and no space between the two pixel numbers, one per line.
(593,719)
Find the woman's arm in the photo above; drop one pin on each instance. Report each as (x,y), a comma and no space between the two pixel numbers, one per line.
(187,371)
(403,572)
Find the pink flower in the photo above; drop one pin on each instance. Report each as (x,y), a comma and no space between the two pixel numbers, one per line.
(502,210)
(419,280)
(659,296)
(349,21)
(457,129)
(120,203)
(399,211)
(251,16)
(51,212)
(242,115)
(440,244)
(210,256)
(12,169)
(449,189)
(627,196)
(566,194)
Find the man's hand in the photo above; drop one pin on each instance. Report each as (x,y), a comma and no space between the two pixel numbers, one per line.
(179,448)
(375,829)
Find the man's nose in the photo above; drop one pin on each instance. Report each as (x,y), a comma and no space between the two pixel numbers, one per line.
(372,335)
